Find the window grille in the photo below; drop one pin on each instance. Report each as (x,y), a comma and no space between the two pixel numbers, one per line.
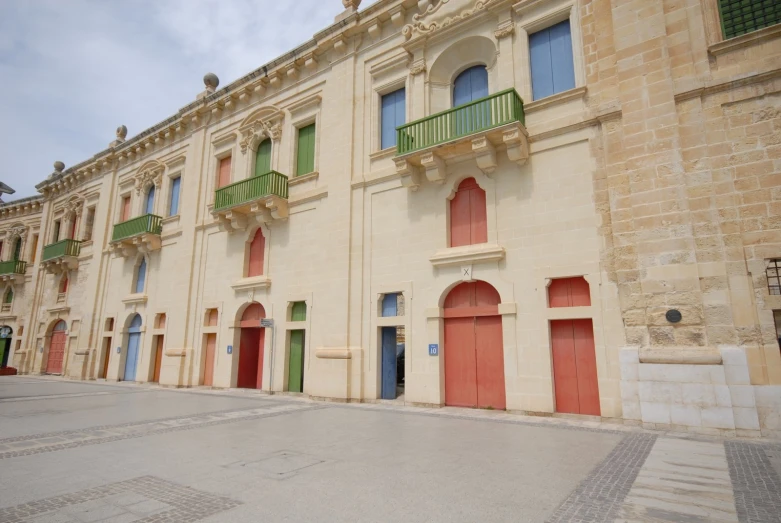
(739,17)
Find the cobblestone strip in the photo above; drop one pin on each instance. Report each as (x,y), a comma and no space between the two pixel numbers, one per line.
(111,434)
(188,504)
(756,484)
(599,497)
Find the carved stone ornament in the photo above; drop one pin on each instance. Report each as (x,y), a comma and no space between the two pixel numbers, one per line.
(348,4)
(150,174)
(503,31)
(428,22)
(74,206)
(17,232)
(417,67)
(263,123)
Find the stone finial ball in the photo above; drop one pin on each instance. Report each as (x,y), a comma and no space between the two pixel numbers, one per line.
(210,80)
(59,166)
(121,132)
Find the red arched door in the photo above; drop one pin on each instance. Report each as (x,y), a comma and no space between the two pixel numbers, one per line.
(473,351)
(57,349)
(250,374)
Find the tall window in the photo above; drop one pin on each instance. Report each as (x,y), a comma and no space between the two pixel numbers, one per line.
(224,172)
(263,158)
(305,163)
(553,70)
(468,215)
(739,17)
(125,210)
(74,224)
(470,85)
(173,207)
(8,299)
(17,249)
(257,249)
(34,248)
(89,224)
(774,277)
(140,277)
(149,206)
(393,115)
(64,285)
(56,232)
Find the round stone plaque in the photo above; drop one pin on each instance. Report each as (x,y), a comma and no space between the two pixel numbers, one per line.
(673,316)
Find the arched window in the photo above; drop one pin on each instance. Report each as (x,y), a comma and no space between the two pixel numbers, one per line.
(263,158)
(8,299)
(140,276)
(64,285)
(468,215)
(256,254)
(150,201)
(470,85)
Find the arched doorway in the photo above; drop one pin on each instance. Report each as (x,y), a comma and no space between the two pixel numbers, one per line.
(250,375)
(133,345)
(57,348)
(473,351)
(6,333)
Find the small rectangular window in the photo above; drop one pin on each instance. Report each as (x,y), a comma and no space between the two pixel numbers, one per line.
(173,208)
(89,224)
(739,17)
(306,150)
(553,70)
(773,273)
(298,311)
(125,211)
(224,172)
(393,115)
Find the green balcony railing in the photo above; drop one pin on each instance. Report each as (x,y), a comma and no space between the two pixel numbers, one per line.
(480,115)
(271,183)
(13,267)
(148,223)
(60,249)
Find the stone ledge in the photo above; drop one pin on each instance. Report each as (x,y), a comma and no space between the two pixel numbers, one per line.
(480,253)
(746,40)
(333,354)
(256,282)
(176,353)
(559,98)
(680,355)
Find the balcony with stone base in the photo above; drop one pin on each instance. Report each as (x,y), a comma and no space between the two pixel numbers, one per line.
(61,256)
(256,200)
(138,235)
(477,129)
(12,271)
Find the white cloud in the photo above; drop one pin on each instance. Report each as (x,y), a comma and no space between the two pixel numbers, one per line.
(72,71)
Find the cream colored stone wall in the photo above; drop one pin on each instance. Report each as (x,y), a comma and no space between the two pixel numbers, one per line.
(655,178)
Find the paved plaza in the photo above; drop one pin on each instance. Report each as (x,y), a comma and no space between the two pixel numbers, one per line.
(87,452)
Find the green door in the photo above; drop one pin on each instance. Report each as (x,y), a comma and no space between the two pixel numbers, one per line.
(263,158)
(296,371)
(4,343)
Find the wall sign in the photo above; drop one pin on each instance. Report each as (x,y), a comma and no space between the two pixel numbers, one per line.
(266,323)
(119,349)
(230,349)
(673,316)
(433,349)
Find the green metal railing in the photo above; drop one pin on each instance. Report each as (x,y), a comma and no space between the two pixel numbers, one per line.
(251,189)
(13,267)
(480,115)
(61,248)
(148,223)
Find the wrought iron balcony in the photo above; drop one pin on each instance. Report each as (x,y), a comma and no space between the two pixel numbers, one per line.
(476,127)
(61,255)
(12,270)
(141,234)
(262,198)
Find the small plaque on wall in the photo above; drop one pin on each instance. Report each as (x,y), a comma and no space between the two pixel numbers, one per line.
(230,349)
(673,316)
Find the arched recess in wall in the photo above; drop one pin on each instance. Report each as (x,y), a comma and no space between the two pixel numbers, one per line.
(457,58)
(255,253)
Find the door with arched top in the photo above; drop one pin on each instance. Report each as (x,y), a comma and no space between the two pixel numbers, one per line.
(250,375)
(54,363)
(133,347)
(473,349)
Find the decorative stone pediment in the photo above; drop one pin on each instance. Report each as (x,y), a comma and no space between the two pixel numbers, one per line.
(151,173)
(264,123)
(16,231)
(74,206)
(442,14)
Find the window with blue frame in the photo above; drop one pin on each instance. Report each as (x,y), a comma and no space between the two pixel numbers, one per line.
(470,85)
(173,208)
(553,70)
(394,106)
(150,200)
(140,276)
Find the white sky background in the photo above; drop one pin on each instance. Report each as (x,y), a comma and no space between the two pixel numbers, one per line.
(72,71)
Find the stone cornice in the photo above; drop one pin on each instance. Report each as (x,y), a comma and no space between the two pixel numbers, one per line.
(22,207)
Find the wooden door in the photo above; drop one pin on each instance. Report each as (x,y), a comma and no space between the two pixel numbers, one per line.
(106,356)
(569,292)
(158,359)
(295,381)
(574,367)
(224,174)
(56,352)
(125,209)
(490,362)
(250,374)
(208,365)
(388,386)
(460,362)
(131,359)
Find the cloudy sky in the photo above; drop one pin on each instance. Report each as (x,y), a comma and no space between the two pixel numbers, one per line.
(72,71)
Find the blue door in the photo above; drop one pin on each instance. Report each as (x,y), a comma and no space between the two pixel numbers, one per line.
(133,343)
(388,363)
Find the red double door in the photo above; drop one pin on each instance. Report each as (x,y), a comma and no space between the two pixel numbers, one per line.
(56,352)
(250,375)
(473,350)
(575,367)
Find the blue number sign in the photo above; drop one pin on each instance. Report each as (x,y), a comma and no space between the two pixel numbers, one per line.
(433,349)
(230,349)
(119,349)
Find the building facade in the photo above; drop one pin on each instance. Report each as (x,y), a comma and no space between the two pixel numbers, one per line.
(544,206)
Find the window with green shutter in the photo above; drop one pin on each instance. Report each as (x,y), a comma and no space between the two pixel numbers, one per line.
(298,311)
(739,17)
(306,150)
(263,158)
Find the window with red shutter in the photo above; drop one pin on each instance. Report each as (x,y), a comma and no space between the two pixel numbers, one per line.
(468,225)
(256,254)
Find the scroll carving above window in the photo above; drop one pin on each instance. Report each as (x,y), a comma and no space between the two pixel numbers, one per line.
(264,123)
(151,173)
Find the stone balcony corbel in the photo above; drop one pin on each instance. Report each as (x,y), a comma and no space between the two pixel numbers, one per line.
(256,200)
(410,177)
(485,155)
(435,167)
(517,142)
